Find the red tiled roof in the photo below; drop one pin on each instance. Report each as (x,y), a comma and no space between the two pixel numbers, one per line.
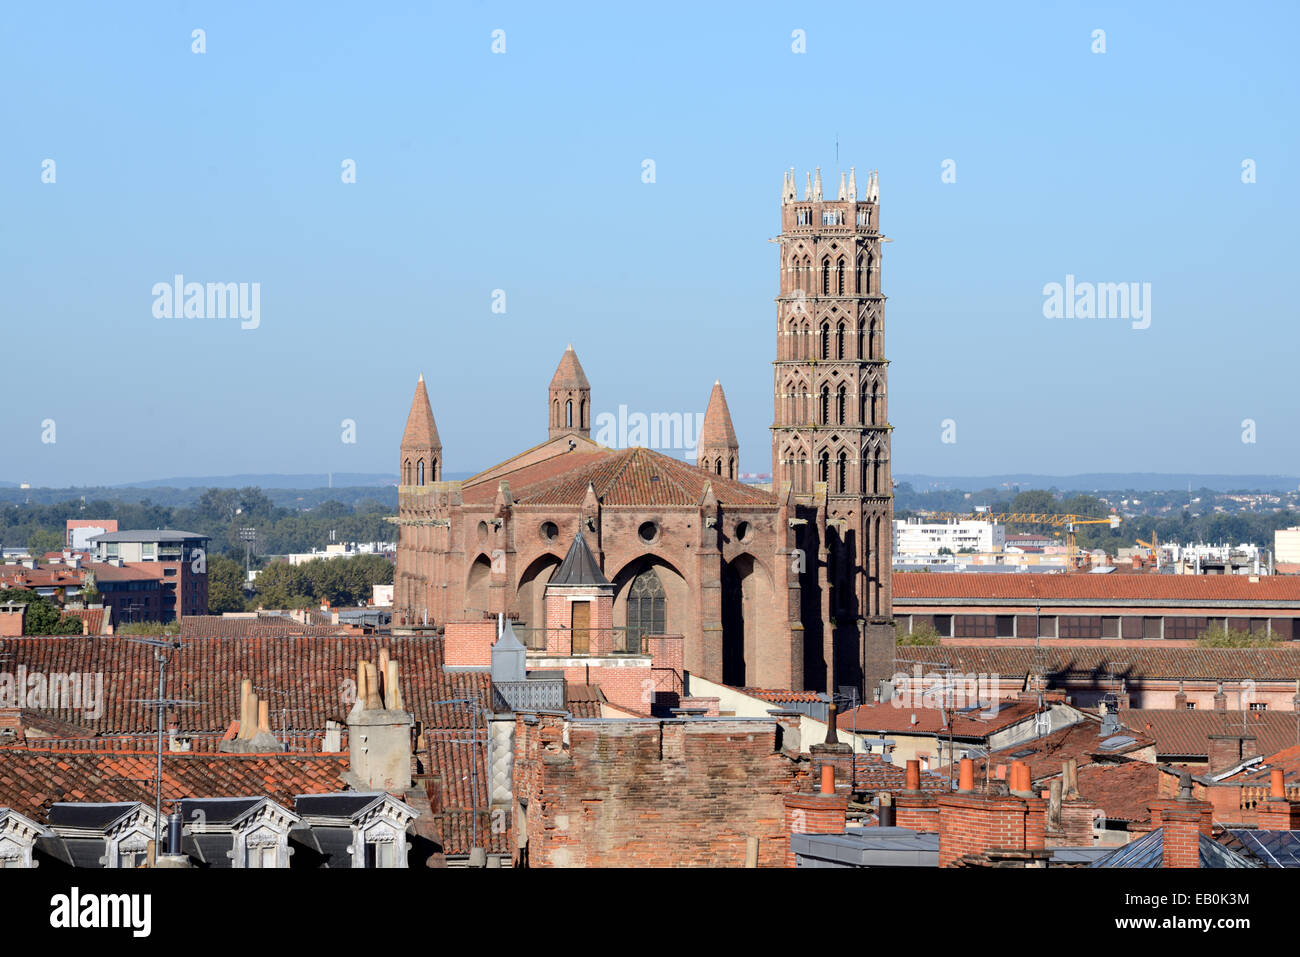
(1100,660)
(1261,774)
(1185,734)
(635,476)
(93,618)
(873,773)
(583,701)
(778,696)
(1081,741)
(1124,790)
(919,587)
(889,718)
(264,626)
(459,762)
(304,675)
(30,781)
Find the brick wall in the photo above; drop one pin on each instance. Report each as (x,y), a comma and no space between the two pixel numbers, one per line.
(814,814)
(917,811)
(11,622)
(972,823)
(651,794)
(469,643)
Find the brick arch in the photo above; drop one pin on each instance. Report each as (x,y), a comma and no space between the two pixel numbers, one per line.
(530,593)
(681,606)
(477,581)
(747,603)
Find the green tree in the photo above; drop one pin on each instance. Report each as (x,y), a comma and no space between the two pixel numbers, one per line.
(921,635)
(44,540)
(1220,637)
(225,585)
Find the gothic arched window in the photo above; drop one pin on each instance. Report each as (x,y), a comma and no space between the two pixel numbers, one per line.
(839,341)
(826,340)
(826,405)
(841,472)
(840,399)
(568,414)
(419,472)
(860,277)
(826,276)
(839,277)
(647,608)
(824,471)
(406,473)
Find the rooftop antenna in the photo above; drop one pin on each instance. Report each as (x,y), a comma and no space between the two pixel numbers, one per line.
(160,704)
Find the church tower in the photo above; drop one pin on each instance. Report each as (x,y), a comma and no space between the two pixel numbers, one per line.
(569,398)
(421,462)
(718,452)
(830,431)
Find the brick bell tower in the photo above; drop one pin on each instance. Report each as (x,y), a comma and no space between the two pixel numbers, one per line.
(569,398)
(830,431)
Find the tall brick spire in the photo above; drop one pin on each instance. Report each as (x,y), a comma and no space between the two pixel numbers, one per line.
(719,452)
(569,398)
(421,460)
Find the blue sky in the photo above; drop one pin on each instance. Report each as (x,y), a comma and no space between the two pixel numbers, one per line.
(522,171)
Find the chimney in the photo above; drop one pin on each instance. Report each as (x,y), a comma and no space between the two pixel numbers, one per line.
(254,735)
(831,752)
(966,775)
(1183,821)
(1277,813)
(1180,699)
(1228,750)
(1220,699)
(914,808)
(333,742)
(986,827)
(379,735)
(822,813)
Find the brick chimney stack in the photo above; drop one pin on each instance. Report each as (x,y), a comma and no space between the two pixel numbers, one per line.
(1220,699)
(993,825)
(1184,820)
(824,812)
(914,808)
(1180,699)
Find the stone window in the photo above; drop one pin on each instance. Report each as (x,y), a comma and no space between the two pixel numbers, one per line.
(647,608)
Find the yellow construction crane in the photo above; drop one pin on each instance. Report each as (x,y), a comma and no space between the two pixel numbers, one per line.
(1068,522)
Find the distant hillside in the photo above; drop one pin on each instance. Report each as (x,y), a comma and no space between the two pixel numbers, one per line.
(269,480)
(1106,481)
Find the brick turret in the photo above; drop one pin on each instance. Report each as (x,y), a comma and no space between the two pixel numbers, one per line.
(569,398)
(421,448)
(719,450)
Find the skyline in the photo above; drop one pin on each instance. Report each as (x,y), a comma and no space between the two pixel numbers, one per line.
(478,172)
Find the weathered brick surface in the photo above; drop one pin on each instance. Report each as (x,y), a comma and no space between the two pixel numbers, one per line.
(469,643)
(972,823)
(651,794)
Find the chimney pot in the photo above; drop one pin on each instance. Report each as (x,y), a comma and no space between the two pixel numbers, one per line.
(966,777)
(1277,784)
(828,779)
(913,775)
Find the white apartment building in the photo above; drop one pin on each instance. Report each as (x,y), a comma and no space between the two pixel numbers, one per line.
(915,539)
(1286,545)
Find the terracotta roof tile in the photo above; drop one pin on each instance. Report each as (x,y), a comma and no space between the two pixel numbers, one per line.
(1185,734)
(307,676)
(30,781)
(634,476)
(1124,661)
(917,587)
